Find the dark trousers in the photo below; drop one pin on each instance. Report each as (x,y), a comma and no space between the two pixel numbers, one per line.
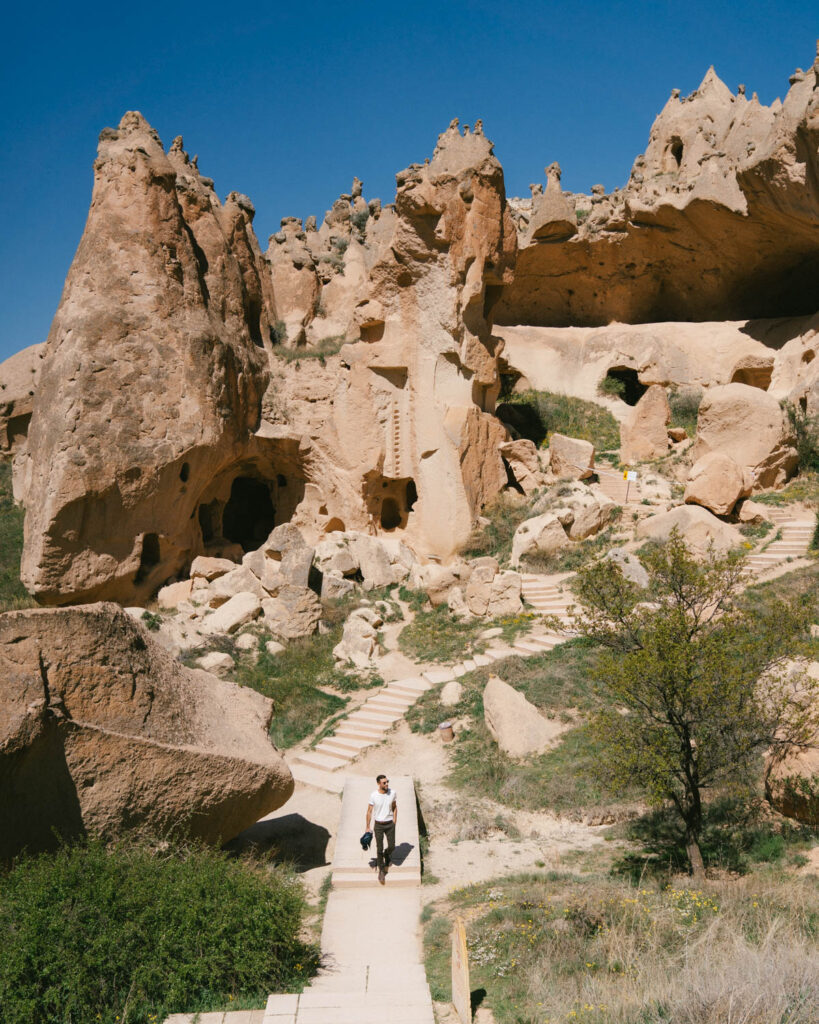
(384,828)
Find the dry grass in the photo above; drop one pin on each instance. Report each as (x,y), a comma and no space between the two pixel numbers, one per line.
(552,948)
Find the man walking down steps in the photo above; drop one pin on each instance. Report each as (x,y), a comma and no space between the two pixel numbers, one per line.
(383,807)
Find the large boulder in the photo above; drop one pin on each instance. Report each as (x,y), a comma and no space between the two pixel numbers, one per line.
(699,528)
(517,726)
(104,732)
(542,535)
(717,483)
(644,433)
(359,638)
(748,425)
(522,458)
(571,457)
(294,612)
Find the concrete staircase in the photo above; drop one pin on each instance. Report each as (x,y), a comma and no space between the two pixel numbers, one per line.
(546,595)
(370,940)
(795,540)
(368,725)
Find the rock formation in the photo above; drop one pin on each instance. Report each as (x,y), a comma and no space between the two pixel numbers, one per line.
(716,222)
(151,387)
(19,381)
(103,732)
(153,440)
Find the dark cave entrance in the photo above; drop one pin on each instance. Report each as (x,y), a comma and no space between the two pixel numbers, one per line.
(390,514)
(149,557)
(249,515)
(623,382)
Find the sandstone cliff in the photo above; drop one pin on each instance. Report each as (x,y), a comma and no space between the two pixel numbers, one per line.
(718,220)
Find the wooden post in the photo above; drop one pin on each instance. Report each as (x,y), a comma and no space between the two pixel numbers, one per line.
(461,992)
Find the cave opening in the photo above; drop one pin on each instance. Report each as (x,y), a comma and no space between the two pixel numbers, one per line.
(209,520)
(675,148)
(623,382)
(753,376)
(411,495)
(390,514)
(149,556)
(249,515)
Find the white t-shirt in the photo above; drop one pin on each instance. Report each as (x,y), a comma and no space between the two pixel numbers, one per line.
(381,804)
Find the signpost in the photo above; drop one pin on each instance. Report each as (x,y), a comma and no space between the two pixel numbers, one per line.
(461,993)
(630,476)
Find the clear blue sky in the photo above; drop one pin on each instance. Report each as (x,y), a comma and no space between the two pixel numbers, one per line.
(287,101)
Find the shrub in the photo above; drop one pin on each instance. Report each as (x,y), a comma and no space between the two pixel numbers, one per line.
(12,592)
(537,414)
(359,219)
(278,333)
(325,348)
(612,387)
(685,407)
(505,514)
(806,429)
(132,934)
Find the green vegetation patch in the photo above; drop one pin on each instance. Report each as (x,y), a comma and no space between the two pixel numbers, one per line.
(804,489)
(130,935)
(565,778)
(538,414)
(322,350)
(504,515)
(561,947)
(12,592)
(685,407)
(293,681)
(436,634)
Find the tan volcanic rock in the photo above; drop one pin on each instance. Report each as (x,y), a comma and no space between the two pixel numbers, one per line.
(571,457)
(395,431)
(152,382)
(748,425)
(700,529)
(515,724)
(644,433)
(102,731)
(19,380)
(716,482)
(717,221)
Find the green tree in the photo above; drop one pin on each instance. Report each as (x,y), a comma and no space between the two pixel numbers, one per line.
(696,687)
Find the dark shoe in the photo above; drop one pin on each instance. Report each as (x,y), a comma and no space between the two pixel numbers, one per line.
(381,876)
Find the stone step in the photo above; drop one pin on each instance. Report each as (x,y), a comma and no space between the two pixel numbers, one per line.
(377,1013)
(399,700)
(342,748)
(411,995)
(348,743)
(414,684)
(386,718)
(388,704)
(353,880)
(328,762)
(316,777)
(435,676)
(361,732)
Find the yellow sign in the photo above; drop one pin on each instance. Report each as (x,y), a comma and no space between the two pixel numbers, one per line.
(461,993)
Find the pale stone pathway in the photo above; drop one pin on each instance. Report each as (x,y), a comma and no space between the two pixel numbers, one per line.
(794,542)
(369,723)
(371,938)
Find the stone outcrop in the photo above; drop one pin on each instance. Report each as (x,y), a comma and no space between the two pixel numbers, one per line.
(151,386)
(359,638)
(716,222)
(517,726)
(167,429)
(717,483)
(540,535)
(699,528)
(571,457)
(19,380)
(103,732)
(644,432)
(748,425)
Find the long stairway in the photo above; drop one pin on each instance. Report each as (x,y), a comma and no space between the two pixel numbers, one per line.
(379,714)
(370,941)
(796,534)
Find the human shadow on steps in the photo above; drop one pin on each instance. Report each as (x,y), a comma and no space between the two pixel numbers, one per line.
(399,855)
